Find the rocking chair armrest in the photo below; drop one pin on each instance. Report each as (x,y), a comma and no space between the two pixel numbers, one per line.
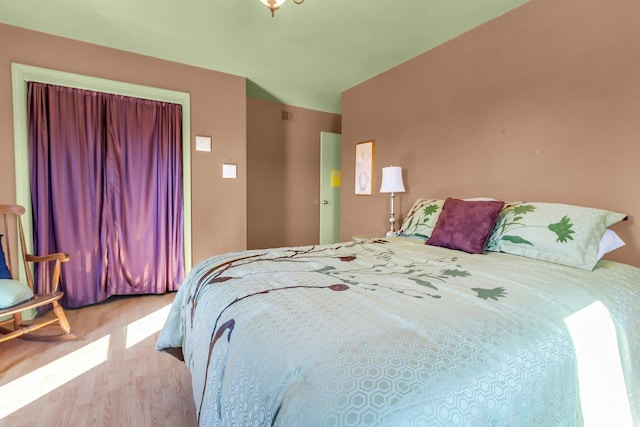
(58,256)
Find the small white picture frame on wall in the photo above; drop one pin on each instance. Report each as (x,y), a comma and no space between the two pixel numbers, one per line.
(364,168)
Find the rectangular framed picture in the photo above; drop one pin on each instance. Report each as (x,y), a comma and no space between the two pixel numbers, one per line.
(364,167)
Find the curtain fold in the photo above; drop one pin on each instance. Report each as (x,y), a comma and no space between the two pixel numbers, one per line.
(106,187)
(143,197)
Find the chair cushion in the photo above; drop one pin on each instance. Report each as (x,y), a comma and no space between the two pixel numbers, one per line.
(4,270)
(13,292)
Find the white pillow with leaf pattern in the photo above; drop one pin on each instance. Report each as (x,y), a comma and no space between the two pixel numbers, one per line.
(422,218)
(564,234)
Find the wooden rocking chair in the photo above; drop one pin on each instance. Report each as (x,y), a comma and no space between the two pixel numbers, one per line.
(17,298)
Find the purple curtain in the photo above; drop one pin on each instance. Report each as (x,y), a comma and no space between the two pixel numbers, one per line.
(106,187)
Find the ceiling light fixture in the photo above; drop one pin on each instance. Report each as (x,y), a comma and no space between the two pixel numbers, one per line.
(274,5)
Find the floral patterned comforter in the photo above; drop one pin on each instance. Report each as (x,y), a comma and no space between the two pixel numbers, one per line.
(391,332)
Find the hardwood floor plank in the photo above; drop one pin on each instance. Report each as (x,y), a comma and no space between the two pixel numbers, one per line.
(114,385)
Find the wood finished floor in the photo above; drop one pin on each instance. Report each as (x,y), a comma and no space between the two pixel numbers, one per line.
(135,386)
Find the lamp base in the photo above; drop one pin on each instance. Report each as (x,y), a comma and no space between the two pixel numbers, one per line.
(391,234)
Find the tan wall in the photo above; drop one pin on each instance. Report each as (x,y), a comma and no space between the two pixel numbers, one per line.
(283,164)
(218,109)
(541,104)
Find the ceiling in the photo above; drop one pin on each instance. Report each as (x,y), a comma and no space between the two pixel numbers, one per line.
(304,56)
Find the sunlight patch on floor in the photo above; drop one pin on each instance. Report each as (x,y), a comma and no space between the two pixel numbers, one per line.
(146,326)
(603,393)
(35,384)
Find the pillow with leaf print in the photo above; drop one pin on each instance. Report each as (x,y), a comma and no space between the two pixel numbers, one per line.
(559,233)
(422,218)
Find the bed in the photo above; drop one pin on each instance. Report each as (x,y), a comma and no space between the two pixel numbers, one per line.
(396,332)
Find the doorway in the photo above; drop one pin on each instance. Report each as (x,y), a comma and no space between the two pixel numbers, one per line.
(330,182)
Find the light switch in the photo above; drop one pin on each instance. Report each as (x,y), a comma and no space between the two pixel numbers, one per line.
(229,170)
(203,143)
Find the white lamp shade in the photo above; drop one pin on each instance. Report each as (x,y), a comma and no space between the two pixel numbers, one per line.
(276,3)
(392,180)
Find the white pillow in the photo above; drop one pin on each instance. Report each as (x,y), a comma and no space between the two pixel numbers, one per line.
(610,241)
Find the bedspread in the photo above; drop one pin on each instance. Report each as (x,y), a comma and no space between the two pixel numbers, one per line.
(391,332)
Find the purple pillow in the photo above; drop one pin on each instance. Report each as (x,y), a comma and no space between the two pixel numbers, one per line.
(465,225)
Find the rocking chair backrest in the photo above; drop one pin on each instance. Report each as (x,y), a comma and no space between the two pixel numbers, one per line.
(12,215)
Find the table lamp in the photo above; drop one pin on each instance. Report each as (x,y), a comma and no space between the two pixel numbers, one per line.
(392,183)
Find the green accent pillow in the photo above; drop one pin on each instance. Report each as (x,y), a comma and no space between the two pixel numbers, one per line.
(13,292)
(559,233)
(422,218)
